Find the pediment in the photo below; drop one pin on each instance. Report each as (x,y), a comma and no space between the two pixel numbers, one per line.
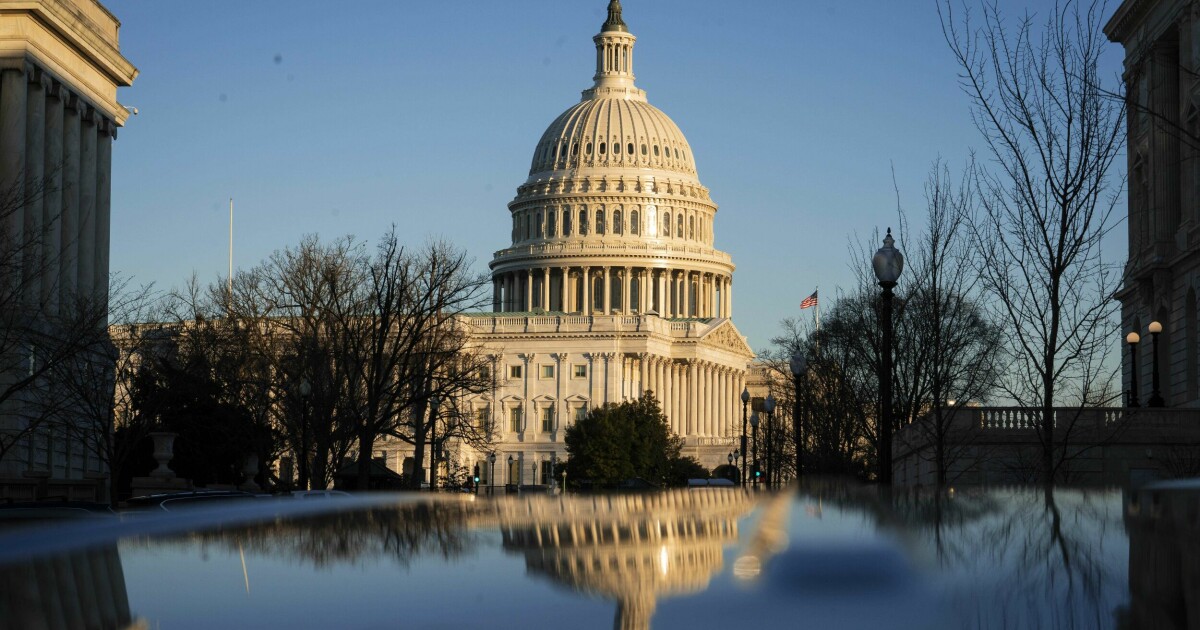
(726,337)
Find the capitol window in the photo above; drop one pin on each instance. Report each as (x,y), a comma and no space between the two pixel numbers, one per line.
(580,413)
(579,370)
(667,224)
(567,223)
(600,222)
(547,371)
(514,419)
(679,226)
(575,149)
(656,150)
(633,221)
(552,223)
(616,148)
(692,227)
(630,148)
(589,148)
(643,149)
(602,147)
(547,419)
(616,222)
(583,223)
(514,371)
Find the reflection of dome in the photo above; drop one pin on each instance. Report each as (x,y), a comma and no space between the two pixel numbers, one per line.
(612,132)
(634,550)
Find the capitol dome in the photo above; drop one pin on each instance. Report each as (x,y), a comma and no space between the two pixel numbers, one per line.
(612,218)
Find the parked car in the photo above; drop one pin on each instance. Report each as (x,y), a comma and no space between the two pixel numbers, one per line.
(319,494)
(25,512)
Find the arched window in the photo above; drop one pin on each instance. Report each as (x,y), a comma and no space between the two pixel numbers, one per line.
(679,226)
(617,222)
(574,149)
(600,222)
(602,148)
(667,224)
(551,224)
(629,148)
(633,222)
(589,148)
(656,150)
(1164,357)
(676,153)
(567,221)
(528,226)
(616,148)
(643,149)
(692,228)
(583,223)
(516,229)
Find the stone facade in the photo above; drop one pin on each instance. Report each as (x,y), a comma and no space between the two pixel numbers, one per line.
(611,286)
(60,67)
(1162,275)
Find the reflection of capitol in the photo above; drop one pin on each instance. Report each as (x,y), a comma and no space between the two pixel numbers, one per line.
(1164,578)
(632,549)
(77,589)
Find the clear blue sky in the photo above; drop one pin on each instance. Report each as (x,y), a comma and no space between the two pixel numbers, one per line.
(343,118)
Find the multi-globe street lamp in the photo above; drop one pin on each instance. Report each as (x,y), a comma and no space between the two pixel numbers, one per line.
(1156,399)
(733,458)
(772,456)
(887,263)
(754,469)
(799,367)
(745,403)
(1133,339)
(305,392)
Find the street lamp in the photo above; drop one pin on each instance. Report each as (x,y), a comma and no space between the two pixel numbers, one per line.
(510,463)
(491,473)
(745,401)
(1132,339)
(754,428)
(887,263)
(772,456)
(305,391)
(799,367)
(434,403)
(1156,399)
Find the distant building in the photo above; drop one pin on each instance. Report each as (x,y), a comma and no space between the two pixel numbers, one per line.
(1162,275)
(60,67)
(612,286)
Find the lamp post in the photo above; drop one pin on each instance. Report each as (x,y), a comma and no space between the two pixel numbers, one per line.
(491,473)
(772,456)
(745,402)
(434,403)
(1132,339)
(510,463)
(305,391)
(1156,399)
(754,428)
(799,367)
(888,262)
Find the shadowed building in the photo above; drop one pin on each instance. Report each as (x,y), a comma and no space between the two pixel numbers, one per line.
(60,67)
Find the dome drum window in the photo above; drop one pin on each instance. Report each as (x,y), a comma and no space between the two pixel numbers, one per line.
(629,148)
(633,222)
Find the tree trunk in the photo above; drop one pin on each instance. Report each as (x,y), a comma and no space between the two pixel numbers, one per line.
(366,441)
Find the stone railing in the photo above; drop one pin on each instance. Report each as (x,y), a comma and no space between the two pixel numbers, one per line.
(637,248)
(584,323)
(1018,420)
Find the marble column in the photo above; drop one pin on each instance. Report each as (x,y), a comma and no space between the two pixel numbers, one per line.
(708,400)
(103,205)
(52,199)
(644,374)
(87,205)
(70,210)
(546,288)
(564,283)
(587,290)
(693,398)
(607,307)
(528,306)
(496,294)
(13,100)
(660,284)
(671,396)
(35,162)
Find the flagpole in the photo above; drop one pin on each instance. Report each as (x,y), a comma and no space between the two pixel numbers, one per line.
(230,280)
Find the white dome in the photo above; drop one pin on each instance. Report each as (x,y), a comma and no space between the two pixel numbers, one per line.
(604,132)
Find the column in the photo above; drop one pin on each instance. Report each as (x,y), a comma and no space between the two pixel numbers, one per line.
(528,290)
(70,210)
(693,398)
(563,303)
(87,205)
(729,299)
(587,290)
(495,294)
(626,292)
(706,399)
(104,140)
(607,308)
(52,200)
(546,288)
(12,152)
(644,374)
(672,397)
(35,133)
(1165,164)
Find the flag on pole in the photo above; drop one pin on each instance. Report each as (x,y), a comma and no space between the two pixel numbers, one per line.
(809,301)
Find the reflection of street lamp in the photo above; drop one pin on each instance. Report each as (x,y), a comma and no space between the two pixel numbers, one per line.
(745,402)
(1156,399)
(305,391)
(491,473)
(799,367)
(754,428)
(733,458)
(772,463)
(887,263)
(434,403)
(1132,339)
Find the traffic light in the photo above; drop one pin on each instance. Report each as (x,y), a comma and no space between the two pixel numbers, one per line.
(476,475)
(757,472)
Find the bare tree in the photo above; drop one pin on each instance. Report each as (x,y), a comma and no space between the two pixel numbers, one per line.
(1046,198)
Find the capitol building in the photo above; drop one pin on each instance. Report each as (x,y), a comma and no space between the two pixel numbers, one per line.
(611,288)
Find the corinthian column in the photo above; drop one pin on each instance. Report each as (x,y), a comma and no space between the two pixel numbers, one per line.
(671,397)
(12,164)
(103,206)
(562,290)
(35,156)
(70,210)
(87,206)
(52,200)
(607,308)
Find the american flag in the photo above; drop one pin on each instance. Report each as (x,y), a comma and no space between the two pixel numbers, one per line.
(809,301)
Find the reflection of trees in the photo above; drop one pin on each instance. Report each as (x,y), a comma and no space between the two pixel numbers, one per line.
(1021,558)
(398,533)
